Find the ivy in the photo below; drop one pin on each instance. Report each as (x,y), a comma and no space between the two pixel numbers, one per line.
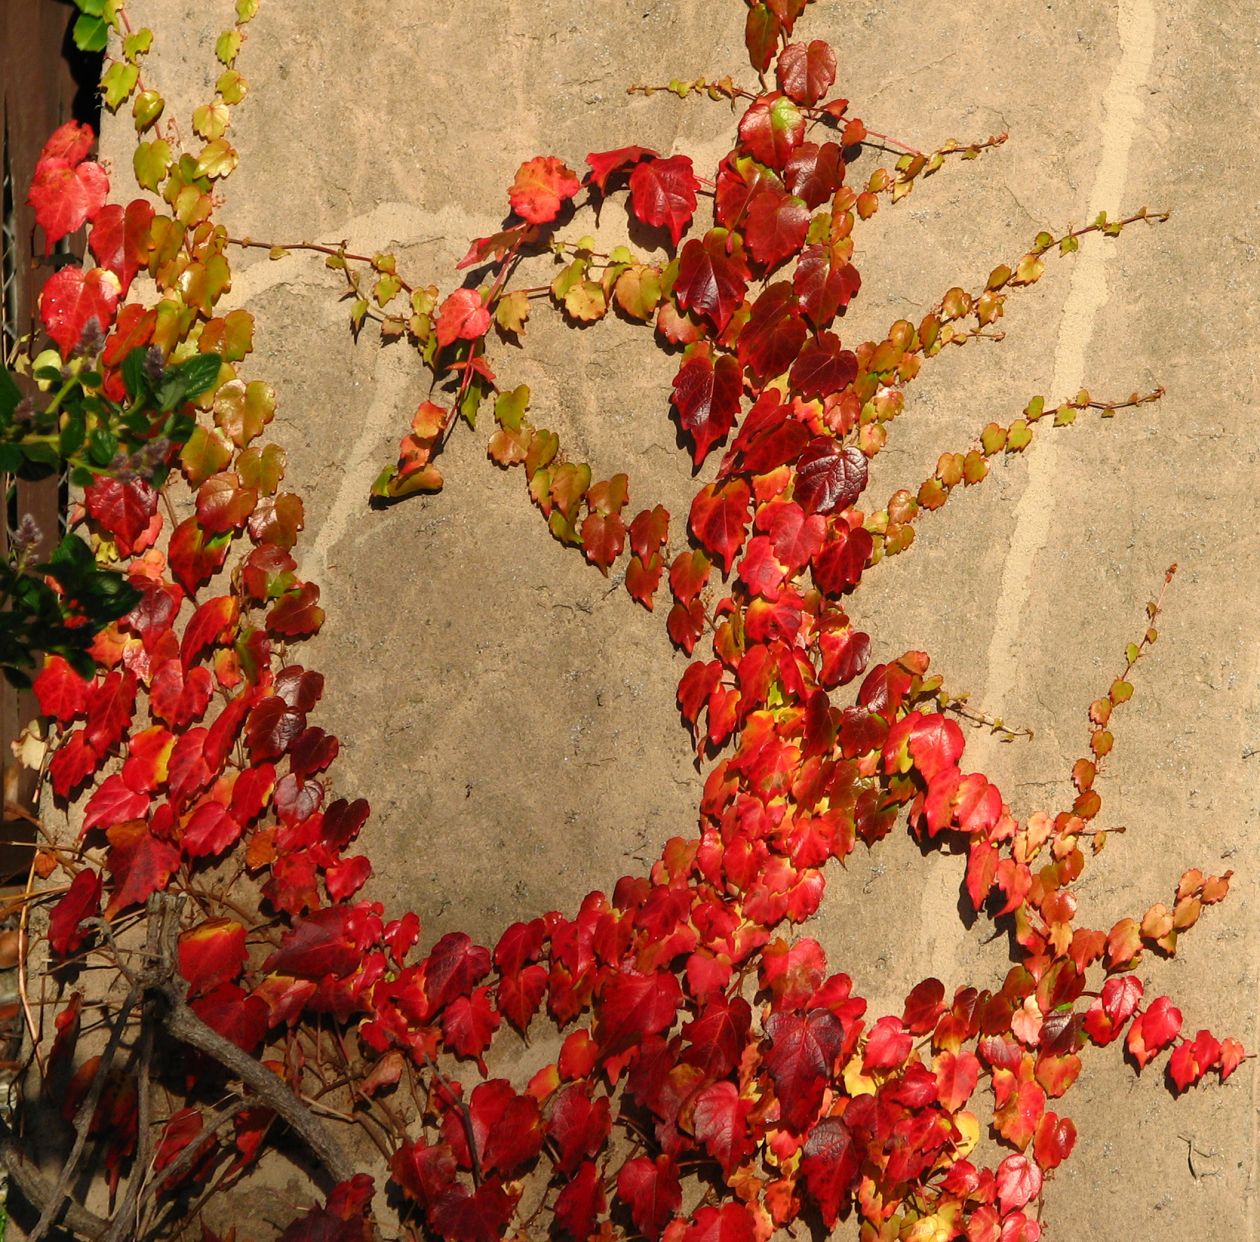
(714,1076)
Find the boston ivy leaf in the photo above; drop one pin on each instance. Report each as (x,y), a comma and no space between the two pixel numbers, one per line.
(761,36)
(81,901)
(663,194)
(830,1162)
(541,188)
(462,317)
(66,193)
(801,1060)
(74,299)
(774,334)
(825,282)
(772,129)
(119,238)
(777,224)
(822,367)
(805,72)
(719,519)
(829,476)
(650,1189)
(606,164)
(707,397)
(712,277)
(814,173)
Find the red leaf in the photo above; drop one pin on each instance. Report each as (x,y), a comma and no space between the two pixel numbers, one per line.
(710,280)
(453,968)
(212,624)
(297,613)
(774,334)
(823,368)
(721,1124)
(195,558)
(604,164)
(761,36)
(829,477)
(211,830)
(772,129)
(211,953)
(541,188)
(732,1222)
(663,194)
(318,945)
(1053,1143)
(272,728)
(581,1201)
(887,1045)
(805,72)
(1154,1030)
(120,239)
(707,398)
(719,1035)
(477,1216)
(603,538)
(61,692)
(223,504)
(830,1162)
(1018,1182)
(113,803)
(520,993)
(650,1189)
(69,143)
(110,706)
(72,299)
(65,193)
(825,282)
(469,1023)
(579,1125)
(177,697)
(814,173)
(633,1006)
(81,901)
(139,863)
(777,225)
(462,316)
(719,519)
(123,508)
(74,761)
(924,1006)
(801,1059)
(236,1016)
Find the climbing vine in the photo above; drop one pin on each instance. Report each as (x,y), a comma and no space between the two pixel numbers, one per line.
(221,986)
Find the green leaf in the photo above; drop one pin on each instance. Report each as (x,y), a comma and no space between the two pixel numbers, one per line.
(91,34)
(10,395)
(198,374)
(117,83)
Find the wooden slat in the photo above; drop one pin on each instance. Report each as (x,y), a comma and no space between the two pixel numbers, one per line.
(38,91)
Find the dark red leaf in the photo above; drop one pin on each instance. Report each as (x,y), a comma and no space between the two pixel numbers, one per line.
(774,334)
(829,476)
(830,1163)
(814,173)
(707,398)
(801,1060)
(823,368)
(454,967)
(650,1189)
(711,281)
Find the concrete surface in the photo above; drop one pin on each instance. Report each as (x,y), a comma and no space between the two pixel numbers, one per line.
(514,724)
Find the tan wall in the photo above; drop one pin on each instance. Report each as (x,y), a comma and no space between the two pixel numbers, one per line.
(513,723)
